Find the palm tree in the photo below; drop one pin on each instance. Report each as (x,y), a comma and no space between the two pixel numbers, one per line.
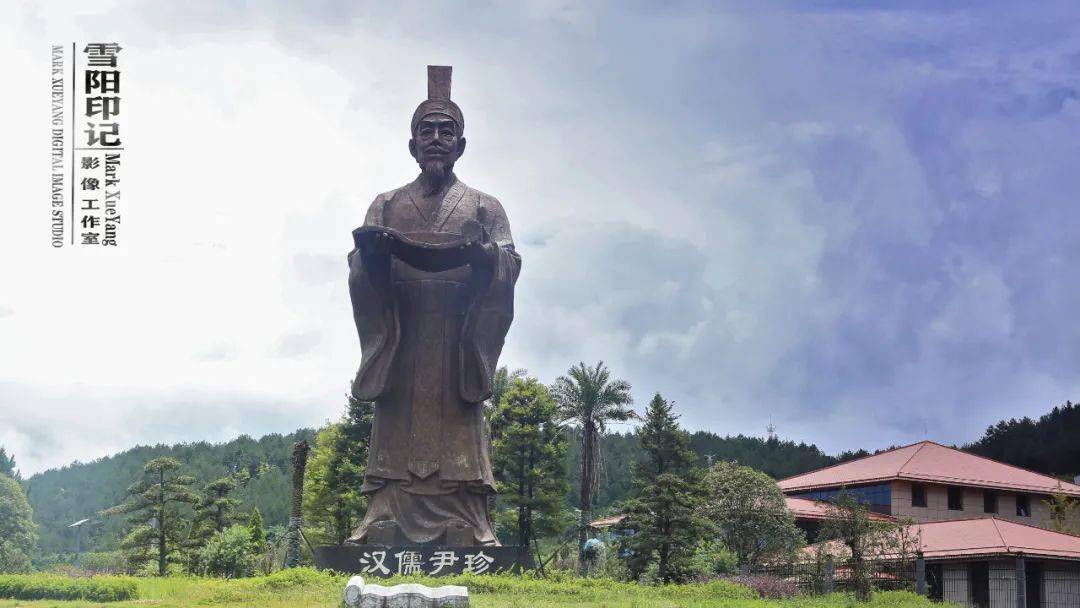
(588,398)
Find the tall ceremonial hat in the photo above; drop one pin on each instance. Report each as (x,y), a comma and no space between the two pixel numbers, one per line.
(438,101)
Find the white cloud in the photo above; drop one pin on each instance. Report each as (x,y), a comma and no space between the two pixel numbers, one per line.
(756,233)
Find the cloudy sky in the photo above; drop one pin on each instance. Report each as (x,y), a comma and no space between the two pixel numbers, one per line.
(856,221)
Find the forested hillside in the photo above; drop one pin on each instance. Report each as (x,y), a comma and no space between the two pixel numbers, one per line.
(60,497)
(81,490)
(1049,445)
(775,457)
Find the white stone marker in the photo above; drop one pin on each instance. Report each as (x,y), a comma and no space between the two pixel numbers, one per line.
(359,595)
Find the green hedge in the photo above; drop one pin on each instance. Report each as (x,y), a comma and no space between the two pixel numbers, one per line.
(558,584)
(54,587)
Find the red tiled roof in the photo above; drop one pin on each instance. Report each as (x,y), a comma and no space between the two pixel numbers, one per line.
(803,508)
(985,537)
(930,462)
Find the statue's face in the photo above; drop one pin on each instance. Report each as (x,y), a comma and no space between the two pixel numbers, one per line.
(437,140)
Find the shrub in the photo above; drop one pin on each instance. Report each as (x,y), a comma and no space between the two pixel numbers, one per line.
(767,586)
(293,577)
(712,560)
(52,587)
(106,562)
(229,554)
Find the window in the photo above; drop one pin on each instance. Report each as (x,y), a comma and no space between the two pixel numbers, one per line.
(878,497)
(990,501)
(956,498)
(918,495)
(1023,505)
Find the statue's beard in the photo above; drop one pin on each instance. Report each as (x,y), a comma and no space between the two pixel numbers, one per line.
(435,173)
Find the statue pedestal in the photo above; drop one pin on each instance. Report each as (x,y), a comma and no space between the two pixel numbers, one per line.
(383,560)
(359,595)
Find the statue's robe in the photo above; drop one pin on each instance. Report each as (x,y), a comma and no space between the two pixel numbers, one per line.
(431,342)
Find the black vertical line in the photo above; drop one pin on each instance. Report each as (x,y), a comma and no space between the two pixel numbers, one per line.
(73,143)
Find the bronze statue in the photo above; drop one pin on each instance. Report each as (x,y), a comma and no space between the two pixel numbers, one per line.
(432,284)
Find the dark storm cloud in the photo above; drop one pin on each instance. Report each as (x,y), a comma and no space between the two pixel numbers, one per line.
(857,220)
(925,257)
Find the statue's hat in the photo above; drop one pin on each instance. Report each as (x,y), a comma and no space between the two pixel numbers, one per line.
(438,101)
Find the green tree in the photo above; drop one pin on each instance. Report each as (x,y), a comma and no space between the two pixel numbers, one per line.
(215,510)
(750,514)
(260,544)
(501,383)
(257,531)
(152,509)
(530,460)
(849,522)
(7,464)
(664,509)
(589,399)
(333,505)
(18,533)
(1063,512)
(229,554)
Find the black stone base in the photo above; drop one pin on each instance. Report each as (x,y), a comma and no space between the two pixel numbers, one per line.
(380,560)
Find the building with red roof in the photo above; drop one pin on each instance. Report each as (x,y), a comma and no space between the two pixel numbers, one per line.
(982,526)
(928,482)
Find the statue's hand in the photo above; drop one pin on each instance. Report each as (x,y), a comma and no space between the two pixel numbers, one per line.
(483,254)
(379,244)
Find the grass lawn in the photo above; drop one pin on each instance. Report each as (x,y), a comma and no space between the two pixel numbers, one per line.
(305,588)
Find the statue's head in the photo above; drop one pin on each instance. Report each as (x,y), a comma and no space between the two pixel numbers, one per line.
(437,127)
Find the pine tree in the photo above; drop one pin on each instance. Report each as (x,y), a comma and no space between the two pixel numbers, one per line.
(529,457)
(258,533)
(7,464)
(157,523)
(667,494)
(215,511)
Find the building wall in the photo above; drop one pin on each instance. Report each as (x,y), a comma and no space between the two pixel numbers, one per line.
(937,505)
(1003,584)
(955,584)
(1061,586)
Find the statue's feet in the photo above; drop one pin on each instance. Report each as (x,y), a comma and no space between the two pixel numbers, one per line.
(460,534)
(383,533)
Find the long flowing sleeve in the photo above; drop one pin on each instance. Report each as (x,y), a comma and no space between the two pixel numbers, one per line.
(491,312)
(374,313)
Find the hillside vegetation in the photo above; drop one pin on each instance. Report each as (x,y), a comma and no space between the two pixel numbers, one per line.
(1049,445)
(60,497)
